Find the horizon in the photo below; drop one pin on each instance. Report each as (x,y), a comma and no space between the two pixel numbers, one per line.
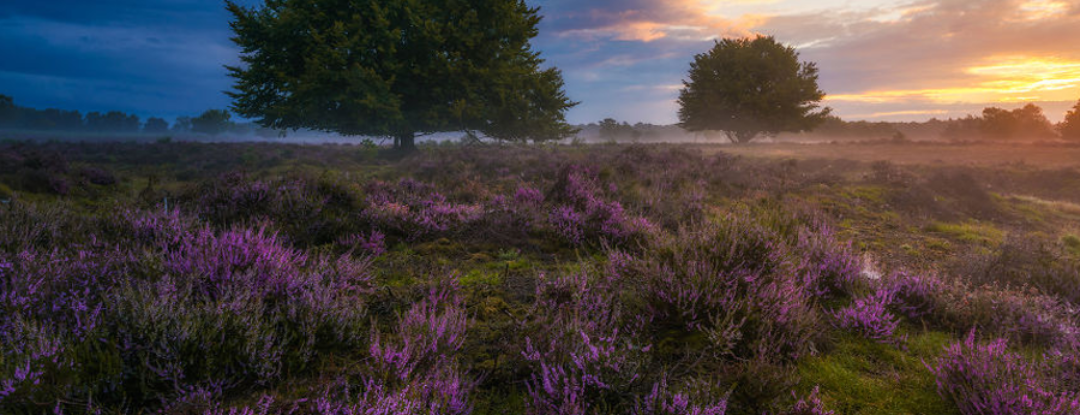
(880,60)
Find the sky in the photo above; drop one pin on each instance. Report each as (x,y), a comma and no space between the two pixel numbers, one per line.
(880,60)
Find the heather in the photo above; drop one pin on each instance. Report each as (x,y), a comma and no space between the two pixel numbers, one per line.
(270,279)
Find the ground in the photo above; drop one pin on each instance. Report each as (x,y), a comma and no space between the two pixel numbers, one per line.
(571,244)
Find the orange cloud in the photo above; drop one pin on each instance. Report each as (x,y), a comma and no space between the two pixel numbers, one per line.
(1015,78)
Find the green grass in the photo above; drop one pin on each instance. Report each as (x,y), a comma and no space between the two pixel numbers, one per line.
(1072,243)
(863,377)
(984,234)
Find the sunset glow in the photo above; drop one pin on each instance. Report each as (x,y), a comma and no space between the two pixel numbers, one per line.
(1010,79)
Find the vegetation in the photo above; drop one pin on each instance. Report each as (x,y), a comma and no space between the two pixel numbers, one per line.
(212,122)
(268,278)
(1070,128)
(611,130)
(397,68)
(750,87)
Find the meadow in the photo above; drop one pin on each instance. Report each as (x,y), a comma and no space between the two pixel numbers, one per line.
(262,278)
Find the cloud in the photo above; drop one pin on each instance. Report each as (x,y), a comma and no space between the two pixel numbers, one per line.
(880,59)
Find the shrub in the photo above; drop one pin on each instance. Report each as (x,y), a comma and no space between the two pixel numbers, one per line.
(98,176)
(202,309)
(869,316)
(989,379)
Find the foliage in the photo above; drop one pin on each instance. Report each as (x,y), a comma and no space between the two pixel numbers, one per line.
(155,126)
(212,122)
(1027,122)
(989,379)
(749,87)
(597,280)
(611,130)
(392,68)
(1070,127)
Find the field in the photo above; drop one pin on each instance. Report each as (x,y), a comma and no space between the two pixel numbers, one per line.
(259,278)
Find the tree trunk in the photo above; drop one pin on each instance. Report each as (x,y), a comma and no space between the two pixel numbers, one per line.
(405,142)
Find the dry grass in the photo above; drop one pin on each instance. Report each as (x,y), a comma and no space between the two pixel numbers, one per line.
(989,154)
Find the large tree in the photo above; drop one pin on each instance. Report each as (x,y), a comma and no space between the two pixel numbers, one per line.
(1070,128)
(397,68)
(750,87)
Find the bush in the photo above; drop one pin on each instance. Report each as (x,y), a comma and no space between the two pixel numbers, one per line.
(989,379)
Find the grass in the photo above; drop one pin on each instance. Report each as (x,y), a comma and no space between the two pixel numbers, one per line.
(863,377)
(1072,243)
(979,233)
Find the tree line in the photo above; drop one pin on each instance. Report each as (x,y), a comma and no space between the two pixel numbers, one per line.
(211,122)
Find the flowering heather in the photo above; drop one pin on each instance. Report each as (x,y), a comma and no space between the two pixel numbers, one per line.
(829,266)
(421,359)
(373,244)
(810,405)
(912,295)
(582,210)
(662,401)
(582,354)
(569,280)
(414,209)
(989,379)
(168,313)
(870,317)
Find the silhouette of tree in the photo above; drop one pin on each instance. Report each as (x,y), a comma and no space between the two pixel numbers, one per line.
(1070,128)
(1026,122)
(182,125)
(212,122)
(156,126)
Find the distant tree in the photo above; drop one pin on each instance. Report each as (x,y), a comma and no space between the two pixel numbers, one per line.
(967,128)
(397,68)
(113,122)
(55,119)
(750,87)
(156,126)
(1070,128)
(611,130)
(8,112)
(212,122)
(1026,122)
(182,125)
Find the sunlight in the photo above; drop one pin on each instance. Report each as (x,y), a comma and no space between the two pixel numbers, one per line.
(1042,9)
(1010,79)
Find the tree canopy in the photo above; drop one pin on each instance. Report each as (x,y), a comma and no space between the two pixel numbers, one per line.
(397,68)
(749,87)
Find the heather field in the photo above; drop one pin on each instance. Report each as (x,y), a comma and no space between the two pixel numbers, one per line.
(260,278)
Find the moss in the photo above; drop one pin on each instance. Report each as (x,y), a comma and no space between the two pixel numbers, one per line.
(873,194)
(860,376)
(984,234)
(1072,243)
(477,277)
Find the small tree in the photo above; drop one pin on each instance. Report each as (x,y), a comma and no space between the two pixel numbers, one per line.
(397,68)
(1070,128)
(749,87)
(155,126)
(212,122)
